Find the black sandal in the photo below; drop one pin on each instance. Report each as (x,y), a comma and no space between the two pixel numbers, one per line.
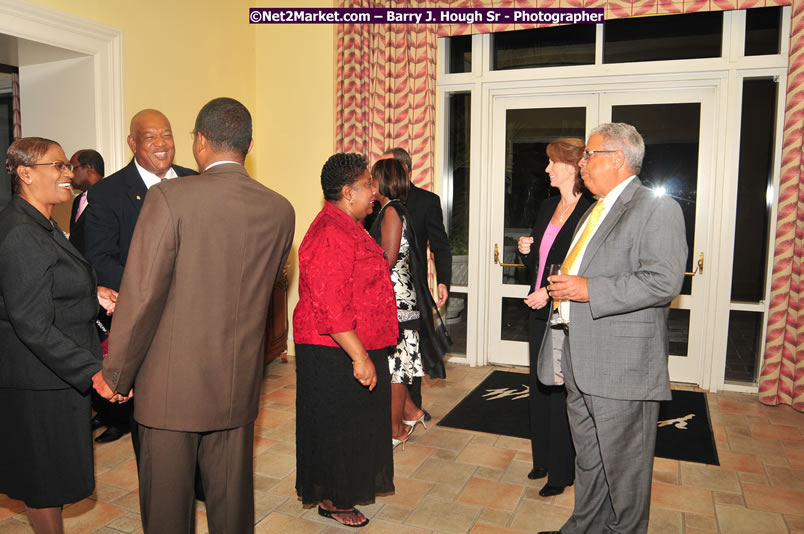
(330,513)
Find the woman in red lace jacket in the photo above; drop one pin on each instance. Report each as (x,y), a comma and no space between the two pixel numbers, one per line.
(343,325)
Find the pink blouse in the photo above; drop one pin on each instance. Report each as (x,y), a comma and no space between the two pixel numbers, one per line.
(548,239)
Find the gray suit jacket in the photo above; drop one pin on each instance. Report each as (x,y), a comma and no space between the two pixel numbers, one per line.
(635,267)
(189,323)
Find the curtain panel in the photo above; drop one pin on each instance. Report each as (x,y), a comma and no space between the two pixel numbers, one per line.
(386,97)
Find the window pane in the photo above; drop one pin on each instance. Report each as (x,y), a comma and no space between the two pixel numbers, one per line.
(663,37)
(763,29)
(678,331)
(743,346)
(514,320)
(454,315)
(527,134)
(544,47)
(752,227)
(460,54)
(671,133)
(456,194)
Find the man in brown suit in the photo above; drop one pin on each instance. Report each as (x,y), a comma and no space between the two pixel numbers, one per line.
(189,327)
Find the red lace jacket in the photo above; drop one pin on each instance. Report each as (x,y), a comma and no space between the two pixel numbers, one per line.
(344,284)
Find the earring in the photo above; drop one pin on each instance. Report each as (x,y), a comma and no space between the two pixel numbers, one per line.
(29,181)
(351,201)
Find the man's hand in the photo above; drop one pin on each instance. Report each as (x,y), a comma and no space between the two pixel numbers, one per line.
(568,287)
(107,298)
(443,294)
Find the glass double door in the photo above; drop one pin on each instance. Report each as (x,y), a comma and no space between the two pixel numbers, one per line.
(677,126)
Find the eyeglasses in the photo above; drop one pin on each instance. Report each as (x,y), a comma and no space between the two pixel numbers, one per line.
(587,153)
(59,165)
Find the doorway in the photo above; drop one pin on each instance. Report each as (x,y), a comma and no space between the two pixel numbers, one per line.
(678,163)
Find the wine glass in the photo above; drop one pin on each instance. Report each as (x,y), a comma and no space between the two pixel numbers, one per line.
(556,319)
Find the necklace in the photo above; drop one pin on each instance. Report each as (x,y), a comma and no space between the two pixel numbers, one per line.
(561,217)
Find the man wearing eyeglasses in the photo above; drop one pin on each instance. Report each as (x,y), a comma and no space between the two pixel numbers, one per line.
(625,266)
(88,169)
(114,205)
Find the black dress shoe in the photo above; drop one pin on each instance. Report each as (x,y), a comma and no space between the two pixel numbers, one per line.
(537,473)
(549,491)
(426,415)
(97,422)
(113,433)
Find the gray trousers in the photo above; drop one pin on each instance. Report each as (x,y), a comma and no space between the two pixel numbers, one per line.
(167,474)
(614,443)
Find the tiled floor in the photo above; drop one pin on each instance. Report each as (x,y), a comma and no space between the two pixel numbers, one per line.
(456,481)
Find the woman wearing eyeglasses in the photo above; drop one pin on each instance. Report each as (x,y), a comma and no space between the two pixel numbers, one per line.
(551,442)
(50,349)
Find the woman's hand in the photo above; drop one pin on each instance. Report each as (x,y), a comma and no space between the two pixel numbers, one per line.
(524,245)
(538,299)
(107,298)
(365,373)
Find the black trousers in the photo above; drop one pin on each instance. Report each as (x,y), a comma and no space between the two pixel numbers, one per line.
(550,436)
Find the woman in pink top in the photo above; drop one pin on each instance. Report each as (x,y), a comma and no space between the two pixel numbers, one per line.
(551,442)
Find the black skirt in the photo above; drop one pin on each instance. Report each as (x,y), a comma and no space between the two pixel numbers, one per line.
(343,431)
(46,448)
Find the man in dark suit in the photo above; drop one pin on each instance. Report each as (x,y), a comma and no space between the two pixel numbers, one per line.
(88,169)
(114,206)
(190,325)
(424,211)
(625,266)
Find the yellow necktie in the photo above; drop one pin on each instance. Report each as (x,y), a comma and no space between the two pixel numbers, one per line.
(572,257)
(594,219)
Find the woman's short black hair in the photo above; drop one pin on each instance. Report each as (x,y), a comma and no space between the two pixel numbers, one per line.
(25,151)
(340,170)
(392,179)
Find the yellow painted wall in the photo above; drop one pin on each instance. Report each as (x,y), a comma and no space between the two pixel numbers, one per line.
(179,54)
(295,131)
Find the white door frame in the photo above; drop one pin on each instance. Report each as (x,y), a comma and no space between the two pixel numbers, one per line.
(103,43)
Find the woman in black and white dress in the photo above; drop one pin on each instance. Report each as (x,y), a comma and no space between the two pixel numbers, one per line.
(394,234)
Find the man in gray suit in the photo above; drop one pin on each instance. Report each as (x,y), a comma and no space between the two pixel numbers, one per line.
(624,268)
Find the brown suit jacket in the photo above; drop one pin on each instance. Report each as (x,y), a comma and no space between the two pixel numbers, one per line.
(190,319)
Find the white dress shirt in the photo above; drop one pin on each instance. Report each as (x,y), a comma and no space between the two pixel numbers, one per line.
(150,178)
(608,202)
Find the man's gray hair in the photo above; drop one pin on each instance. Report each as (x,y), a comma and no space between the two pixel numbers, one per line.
(402,155)
(622,136)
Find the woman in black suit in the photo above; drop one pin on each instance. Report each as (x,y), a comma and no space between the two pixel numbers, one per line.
(48,304)
(551,442)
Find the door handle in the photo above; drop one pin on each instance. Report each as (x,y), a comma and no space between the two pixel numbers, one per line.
(501,264)
(699,268)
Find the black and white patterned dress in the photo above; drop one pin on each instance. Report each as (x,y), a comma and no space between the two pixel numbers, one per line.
(405,360)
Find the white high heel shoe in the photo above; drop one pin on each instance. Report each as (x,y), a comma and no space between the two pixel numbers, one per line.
(412,424)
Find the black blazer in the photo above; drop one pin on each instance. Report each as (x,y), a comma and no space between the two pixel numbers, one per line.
(48,304)
(560,246)
(77,227)
(114,206)
(424,210)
